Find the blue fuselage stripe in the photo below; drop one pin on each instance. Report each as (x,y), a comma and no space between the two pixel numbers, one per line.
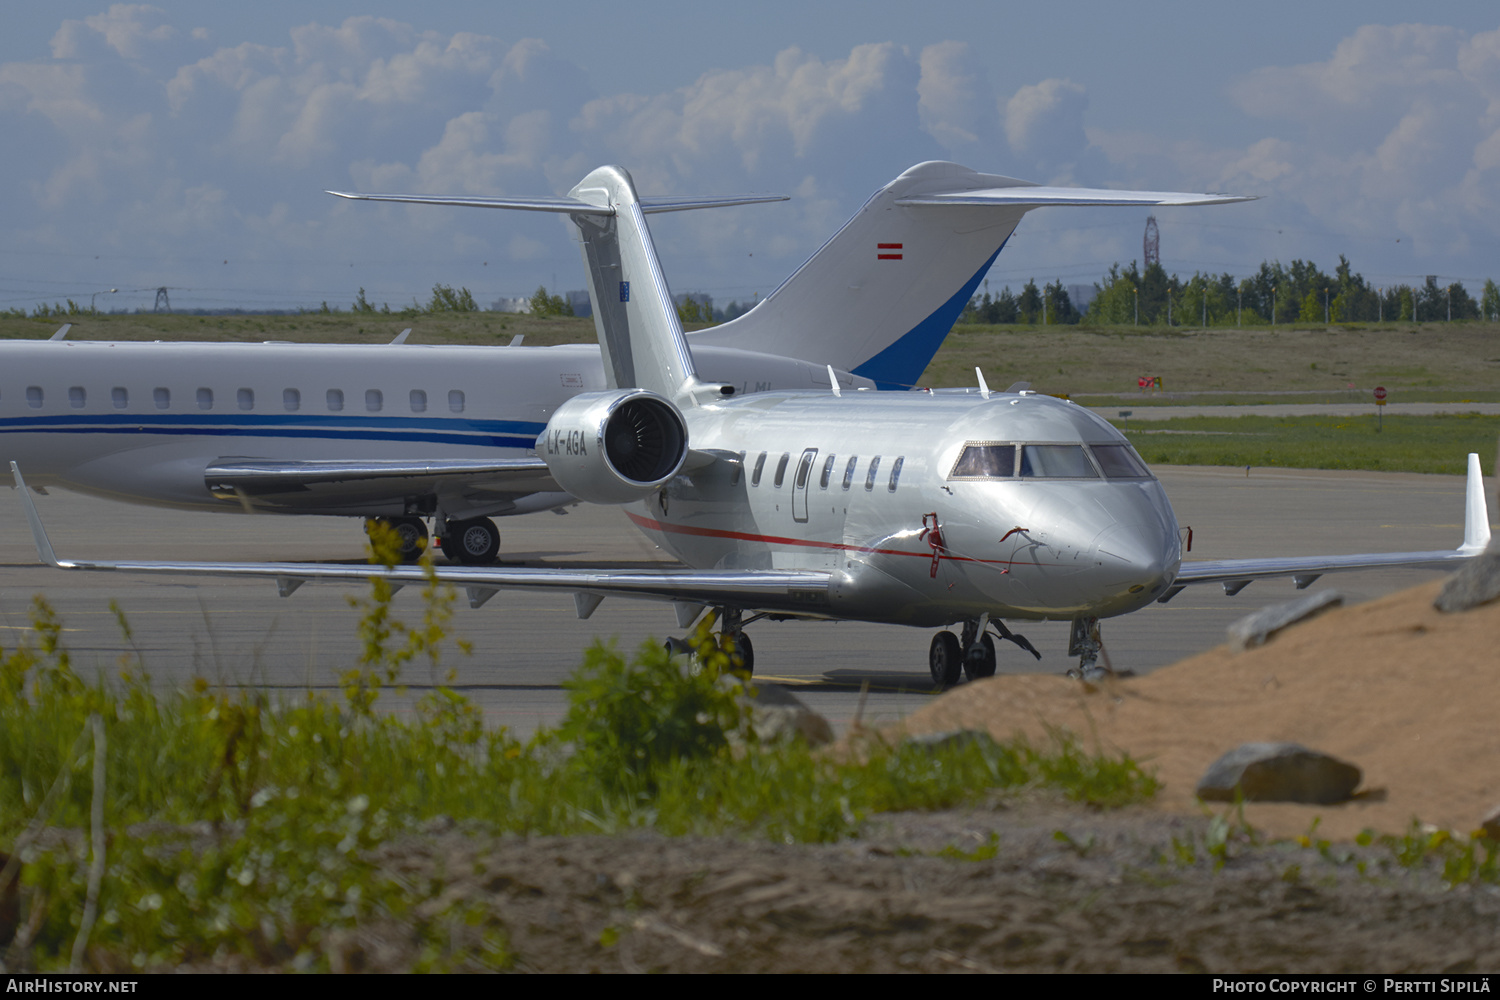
(408,430)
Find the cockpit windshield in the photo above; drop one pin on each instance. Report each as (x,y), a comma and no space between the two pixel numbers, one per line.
(988,460)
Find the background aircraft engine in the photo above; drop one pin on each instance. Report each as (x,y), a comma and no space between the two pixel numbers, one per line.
(615,446)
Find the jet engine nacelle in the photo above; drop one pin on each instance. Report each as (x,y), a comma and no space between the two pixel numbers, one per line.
(614,447)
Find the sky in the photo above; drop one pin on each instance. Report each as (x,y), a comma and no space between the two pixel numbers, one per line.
(188,145)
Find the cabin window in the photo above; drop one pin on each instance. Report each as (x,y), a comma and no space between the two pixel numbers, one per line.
(418,401)
(804,467)
(827,472)
(456,400)
(34,396)
(1119,461)
(870,476)
(738,470)
(335,399)
(162,397)
(245,398)
(120,396)
(786,457)
(849,471)
(1056,461)
(896,474)
(291,400)
(374,400)
(985,461)
(77,397)
(760,463)
(205,399)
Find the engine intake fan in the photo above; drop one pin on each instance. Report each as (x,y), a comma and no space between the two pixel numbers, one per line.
(614,447)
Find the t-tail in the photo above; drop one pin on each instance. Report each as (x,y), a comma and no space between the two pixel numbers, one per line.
(879,297)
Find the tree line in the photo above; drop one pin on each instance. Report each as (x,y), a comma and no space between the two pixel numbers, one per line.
(1299,293)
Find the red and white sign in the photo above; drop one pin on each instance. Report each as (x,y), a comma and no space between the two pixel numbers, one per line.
(1380,395)
(888,251)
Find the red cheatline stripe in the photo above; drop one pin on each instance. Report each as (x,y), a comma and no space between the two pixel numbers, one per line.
(888,246)
(742,536)
(888,256)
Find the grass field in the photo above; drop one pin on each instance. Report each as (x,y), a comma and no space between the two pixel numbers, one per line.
(1426,362)
(1437,444)
(1431,362)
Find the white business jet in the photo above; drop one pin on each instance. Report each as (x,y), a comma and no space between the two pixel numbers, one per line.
(412,433)
(915,508)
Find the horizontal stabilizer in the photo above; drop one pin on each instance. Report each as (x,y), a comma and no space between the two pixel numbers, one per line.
(570,206)
(1029,196)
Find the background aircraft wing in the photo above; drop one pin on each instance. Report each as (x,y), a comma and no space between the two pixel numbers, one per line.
(301,484)
(798,593)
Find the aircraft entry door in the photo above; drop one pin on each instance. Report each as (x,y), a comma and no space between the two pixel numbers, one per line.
(800,485)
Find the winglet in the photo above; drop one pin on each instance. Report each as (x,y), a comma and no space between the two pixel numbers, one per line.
(984,387)
(38,533)
(1476,512)
(62,332)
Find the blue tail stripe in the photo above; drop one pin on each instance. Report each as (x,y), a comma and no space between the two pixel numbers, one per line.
(900,365)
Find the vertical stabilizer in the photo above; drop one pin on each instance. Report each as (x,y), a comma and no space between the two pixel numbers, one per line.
(879,297)
(640,335)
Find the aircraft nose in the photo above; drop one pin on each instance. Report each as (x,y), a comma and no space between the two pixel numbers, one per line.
(1136,561)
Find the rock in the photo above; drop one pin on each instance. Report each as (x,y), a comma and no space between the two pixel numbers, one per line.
(776,714)
(1258,628)
(1490,825)
(952,738)
(1476,582)
(1278,772)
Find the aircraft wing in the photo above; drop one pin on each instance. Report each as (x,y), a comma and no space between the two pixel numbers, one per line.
(1236,574)
(799,593)
(270,483)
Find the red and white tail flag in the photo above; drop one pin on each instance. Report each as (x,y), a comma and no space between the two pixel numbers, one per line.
(888,251)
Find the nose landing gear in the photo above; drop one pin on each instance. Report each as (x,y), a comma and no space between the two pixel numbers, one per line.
(1084,643)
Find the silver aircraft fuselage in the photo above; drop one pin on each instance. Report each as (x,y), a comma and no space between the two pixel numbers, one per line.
(141,422)
(869,487)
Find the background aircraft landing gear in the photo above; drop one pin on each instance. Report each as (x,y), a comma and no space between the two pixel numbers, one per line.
(411,535)
(473,543)
(945,659)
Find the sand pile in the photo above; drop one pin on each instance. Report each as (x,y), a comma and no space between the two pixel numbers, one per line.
(1405,692)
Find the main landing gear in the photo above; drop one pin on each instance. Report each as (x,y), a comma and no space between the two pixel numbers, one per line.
(731,639)
(411,535)
(473,543)
(973,654)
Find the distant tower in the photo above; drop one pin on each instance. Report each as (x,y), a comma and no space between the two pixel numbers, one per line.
(1153,242)
(163,304)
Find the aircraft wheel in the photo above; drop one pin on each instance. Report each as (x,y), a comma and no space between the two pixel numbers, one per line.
(411,534)
(475,543)
(945,659)
(742,655)
(980,662)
